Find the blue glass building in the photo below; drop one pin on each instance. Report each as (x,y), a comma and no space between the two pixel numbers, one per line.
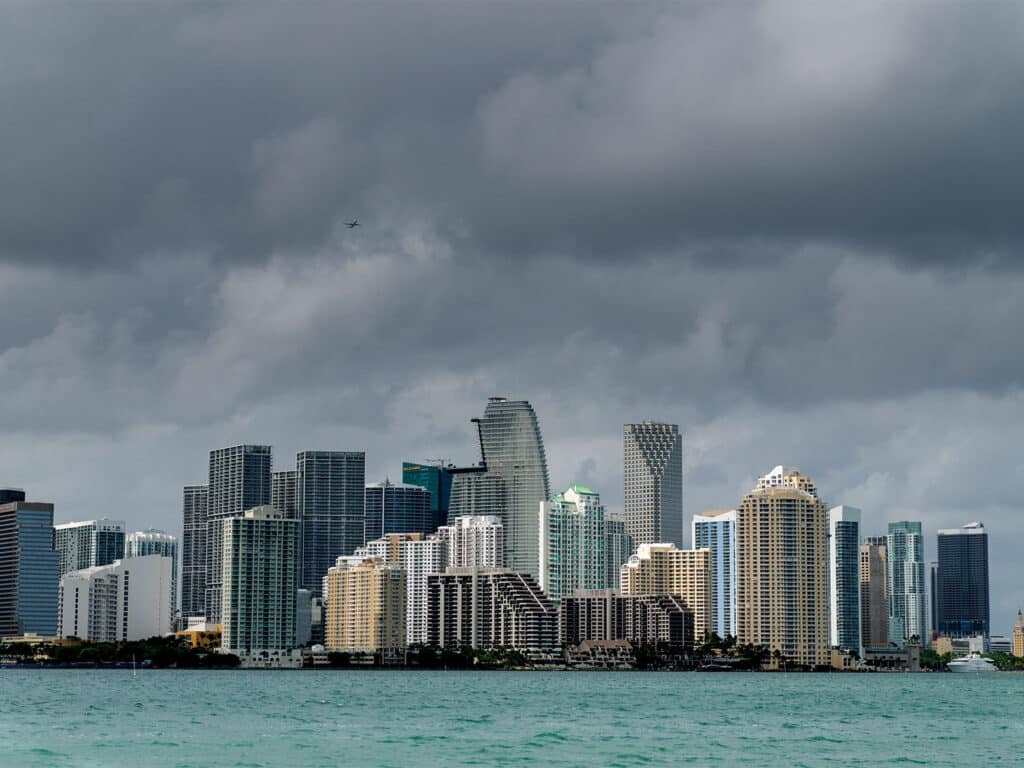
(961,599)
(396,508)
(29,569)
(716,530)
(437,480)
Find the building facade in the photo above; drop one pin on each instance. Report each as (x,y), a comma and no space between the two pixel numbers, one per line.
(1018,636)
(194,554)
(664,569)
(364,609)
(126,600)
(716,530)
(904,582)
(29,569)
(961,590)
(603,615)
(435,478)
(653,491)
(474,541)
(782,568)
(155,542)
(618,546)
(284,492)
(572,543)
(844,578)
(88,543)
(874,605)
(396,508)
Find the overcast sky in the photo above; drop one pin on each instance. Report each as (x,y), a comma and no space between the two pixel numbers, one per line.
(792,228)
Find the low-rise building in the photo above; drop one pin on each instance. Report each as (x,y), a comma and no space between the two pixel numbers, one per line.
(604,614)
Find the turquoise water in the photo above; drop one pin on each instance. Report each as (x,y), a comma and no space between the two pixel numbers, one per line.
(408,719)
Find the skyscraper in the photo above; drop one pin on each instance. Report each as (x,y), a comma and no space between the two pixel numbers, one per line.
(330,492)
(7,495)
(844,578)
(284,492)
(193,550)
(396,508)
(782,568)
(572,543)
(88,543)
(904,581)
(29,569)
(435,478)
(653,493)
(664,569)
(474,541)
(365,605)
(874,602)
(961,596)
(716,530)
(154,542)
(418,556)
(618,546)
(239,480)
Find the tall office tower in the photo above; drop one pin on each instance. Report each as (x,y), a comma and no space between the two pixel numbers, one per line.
(193,550)
(396,508)
(653,493)
(1018,635)
(303,618)
(618,546)
(490,608)
(239,481)
(904,582)
(330,505)
(474,541)
(365,605)
(933,593)
(844,578)
(260,552)
(716,530)
(514,482)
(435,478)
(284,492)
(88,543)
(664,569)
(961,597)
(874,603)
(29,569)
(641,619)
(154,542)
(572,543)
(782,568)
(417,556)
(126,600)
(7,495)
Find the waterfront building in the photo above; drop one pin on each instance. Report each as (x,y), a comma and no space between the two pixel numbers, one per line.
(511,481)
(605,615)
(653,490)
(474,541)
(88,543)
(194,554)
(303,618)
(29,568)
(782,568)
(284,492)
(239,480)
(961,589)
(155,542)
(874,603)
(716,530)
(127,600)
(490,608)
(393,507)
(844,578)
(572,543)
(904,582)
(260,557)
(364,608)
(1018,636)
(618,546)
(664,569)
(435,478)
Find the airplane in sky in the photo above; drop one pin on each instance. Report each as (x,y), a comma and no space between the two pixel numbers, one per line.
(352,224)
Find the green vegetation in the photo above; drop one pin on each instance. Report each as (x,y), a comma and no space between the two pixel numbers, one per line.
(156,652)
(934,661)
(1006,661)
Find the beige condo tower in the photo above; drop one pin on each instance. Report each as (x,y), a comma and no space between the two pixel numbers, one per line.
(664,569)
(365,605)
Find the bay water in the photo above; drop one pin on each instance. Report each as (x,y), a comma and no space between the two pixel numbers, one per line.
(408,719)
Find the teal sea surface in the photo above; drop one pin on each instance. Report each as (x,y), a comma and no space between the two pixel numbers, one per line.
(409,719)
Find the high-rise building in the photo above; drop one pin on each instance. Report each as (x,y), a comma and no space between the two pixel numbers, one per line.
(303,618)
(126,600)
(8,495)
(284,492)
(664,569)
(194,554)
(572,543)
(29,569)
(782,568)
(844,578)
(239,480)
(365,605)
(514,479)
(474,541)
(490,608)
(618,546)
(874,603)
(604,614)
(154,542)
(961,593)
(330,492)
(653,493)
(716,530)
(418,557)
(904,582)
(435,478)
(396,508)
(1018,635)
(260,557)
(88,543)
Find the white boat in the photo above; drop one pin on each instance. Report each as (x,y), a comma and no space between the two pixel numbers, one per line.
(972,662)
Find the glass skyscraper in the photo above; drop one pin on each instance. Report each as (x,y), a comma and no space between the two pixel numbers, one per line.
(844,578)
(29,569)
(653,479)
(716,530)
(961,592)
(89,543)
(436,479)
(396,508)
(572,543)
(193,550)
(904,582)
(618,546)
